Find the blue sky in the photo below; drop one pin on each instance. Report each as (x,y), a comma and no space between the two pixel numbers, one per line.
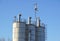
(48,11)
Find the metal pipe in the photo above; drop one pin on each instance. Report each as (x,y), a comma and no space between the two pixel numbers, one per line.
(29,20)
(19,17)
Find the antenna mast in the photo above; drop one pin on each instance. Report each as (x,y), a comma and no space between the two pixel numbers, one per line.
(36,9)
